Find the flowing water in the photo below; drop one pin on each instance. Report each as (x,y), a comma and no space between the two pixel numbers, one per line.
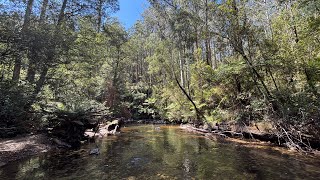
(149,152)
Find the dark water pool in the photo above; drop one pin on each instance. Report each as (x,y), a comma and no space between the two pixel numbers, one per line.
(147,152)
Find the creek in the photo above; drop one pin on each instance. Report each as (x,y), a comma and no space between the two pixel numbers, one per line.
(168,152)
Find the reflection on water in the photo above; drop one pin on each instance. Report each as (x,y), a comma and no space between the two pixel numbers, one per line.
(143,152)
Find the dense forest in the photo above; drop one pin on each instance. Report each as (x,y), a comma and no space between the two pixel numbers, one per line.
(196,61)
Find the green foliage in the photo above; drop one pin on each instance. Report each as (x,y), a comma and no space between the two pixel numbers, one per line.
(140,104)
(13,101)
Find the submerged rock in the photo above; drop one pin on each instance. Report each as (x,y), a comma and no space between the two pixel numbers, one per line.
(61,143)
(95,151)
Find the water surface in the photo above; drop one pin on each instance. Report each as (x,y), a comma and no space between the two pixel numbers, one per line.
(147,152)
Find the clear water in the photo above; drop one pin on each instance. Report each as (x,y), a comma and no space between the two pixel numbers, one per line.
(145,152)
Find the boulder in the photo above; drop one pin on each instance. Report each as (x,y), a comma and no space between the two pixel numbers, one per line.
(115,124)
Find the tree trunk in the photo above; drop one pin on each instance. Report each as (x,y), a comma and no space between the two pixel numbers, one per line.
(208,52)
(269,21)
(181,69)
(238,47)
(42,79)
(51,54)
(43,11)
(310,83)
(33,55)
(273,79)
(238,83)
(99,9)
(115,75)
(259,77)
(214,59)
(17,68)
(188,77)
(31,67)
(293,26)
(27,15)
(199,114)
(61,14)
(18,60)
(207,41)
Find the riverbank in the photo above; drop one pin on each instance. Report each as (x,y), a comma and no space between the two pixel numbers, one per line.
(22,147)
(249,138)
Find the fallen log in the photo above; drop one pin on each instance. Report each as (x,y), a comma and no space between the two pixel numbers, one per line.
(232,134)
(192,128)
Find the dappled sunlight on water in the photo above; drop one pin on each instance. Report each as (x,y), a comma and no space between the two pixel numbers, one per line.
(147,152)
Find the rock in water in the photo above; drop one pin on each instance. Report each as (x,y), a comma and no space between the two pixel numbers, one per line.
(116,124)
(61,143)
(94,151)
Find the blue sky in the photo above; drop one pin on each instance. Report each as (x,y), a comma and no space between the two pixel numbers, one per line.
(130,11)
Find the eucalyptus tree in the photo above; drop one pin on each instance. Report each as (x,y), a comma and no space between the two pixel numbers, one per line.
(25,26)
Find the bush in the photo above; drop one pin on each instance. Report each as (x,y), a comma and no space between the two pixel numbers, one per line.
(14,104)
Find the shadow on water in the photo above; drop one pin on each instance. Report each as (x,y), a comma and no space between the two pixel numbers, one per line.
(146,152)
